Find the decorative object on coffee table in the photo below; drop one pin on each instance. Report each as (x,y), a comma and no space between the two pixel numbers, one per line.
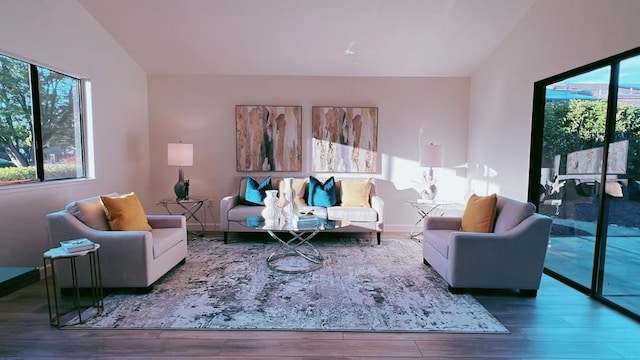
(289,207)
(271,211)
(179,154)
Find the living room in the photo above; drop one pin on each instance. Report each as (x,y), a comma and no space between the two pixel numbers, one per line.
(482,117)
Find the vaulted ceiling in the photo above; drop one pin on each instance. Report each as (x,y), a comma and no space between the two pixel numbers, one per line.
(309,37)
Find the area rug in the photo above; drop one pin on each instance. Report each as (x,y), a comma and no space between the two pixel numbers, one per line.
(361,287)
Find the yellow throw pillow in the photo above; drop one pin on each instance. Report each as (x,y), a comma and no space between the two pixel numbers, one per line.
(125,212)
(298,186)
(480,213)
(355,193)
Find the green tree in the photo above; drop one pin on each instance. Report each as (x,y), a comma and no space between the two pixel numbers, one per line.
(576,125)
(58,99)
(15,111)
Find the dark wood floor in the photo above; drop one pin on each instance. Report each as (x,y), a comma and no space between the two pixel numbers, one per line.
(560,323)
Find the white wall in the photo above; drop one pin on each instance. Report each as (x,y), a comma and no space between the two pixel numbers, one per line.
(554,36)
(201,110)
(63,36)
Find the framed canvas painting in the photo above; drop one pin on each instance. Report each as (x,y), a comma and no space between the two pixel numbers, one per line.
(268,138)
(344,139)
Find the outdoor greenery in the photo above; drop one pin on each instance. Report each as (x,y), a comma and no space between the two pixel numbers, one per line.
(53,171)
(59,119)
(573,125)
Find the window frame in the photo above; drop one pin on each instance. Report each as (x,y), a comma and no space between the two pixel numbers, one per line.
(37,123)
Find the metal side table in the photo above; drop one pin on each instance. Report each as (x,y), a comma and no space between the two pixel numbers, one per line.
(188,208)
(96,295)
(426,208)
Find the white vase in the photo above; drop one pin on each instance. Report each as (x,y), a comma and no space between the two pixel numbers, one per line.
(271,212)
(289,208)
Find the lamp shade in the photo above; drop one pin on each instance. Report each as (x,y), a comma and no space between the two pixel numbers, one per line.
(179,154)
(431,155)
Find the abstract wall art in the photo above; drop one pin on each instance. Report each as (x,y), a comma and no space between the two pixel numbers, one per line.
(344,139)
(268,138)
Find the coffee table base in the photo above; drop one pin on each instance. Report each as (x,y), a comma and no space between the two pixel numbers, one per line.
(299,250)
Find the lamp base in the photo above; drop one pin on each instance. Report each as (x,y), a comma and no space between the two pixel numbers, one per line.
(181,188)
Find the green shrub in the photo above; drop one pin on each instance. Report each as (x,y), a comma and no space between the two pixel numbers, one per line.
(53,171)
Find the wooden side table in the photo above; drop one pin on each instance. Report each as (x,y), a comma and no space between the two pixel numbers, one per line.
(96,295)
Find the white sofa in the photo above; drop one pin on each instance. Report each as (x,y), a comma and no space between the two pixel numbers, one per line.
(128,259)
(362,219)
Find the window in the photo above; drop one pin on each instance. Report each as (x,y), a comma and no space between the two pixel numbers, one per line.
(41,128)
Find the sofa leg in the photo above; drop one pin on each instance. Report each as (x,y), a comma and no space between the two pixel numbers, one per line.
(378,235)
(455,290)
(182,262)
(529,292)
(424,261)
(226,237)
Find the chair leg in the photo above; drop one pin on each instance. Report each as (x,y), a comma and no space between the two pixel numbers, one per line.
(226,237)
(424,261)
(378,235)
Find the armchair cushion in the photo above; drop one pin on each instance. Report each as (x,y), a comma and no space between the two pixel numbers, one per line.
(125,213)
(479,213)
(91,212)
(510,213)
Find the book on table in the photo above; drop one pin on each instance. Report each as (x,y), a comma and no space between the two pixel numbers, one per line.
(305,219)
(77,245)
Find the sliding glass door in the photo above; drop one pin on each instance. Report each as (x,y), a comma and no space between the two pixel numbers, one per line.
(585,121)
(621,258)
(574,116)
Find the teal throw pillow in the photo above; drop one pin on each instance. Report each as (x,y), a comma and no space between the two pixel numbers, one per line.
(256,192)
(322,194)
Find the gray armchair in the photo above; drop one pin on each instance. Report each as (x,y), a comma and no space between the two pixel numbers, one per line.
(511,257)
(128,259)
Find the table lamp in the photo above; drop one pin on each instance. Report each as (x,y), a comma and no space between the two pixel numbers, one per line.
(179,154)
(431,156)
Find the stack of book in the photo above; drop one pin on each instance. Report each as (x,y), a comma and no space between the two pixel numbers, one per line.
(77,245)
(305,219)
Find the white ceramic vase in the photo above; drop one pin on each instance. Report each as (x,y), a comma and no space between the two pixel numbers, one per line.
(289,208)
(271,212)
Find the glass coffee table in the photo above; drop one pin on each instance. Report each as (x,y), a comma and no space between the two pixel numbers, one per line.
(297,254)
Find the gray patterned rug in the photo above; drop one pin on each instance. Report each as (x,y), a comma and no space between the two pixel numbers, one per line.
(362,287)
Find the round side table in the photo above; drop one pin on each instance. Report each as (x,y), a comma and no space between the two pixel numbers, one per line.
(96,295)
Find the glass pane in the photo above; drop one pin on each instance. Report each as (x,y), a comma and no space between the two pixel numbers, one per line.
(61,126)
(574,127)
(17,159)
(622,255)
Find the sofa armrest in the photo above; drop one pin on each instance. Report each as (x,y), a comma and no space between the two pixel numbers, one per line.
(378,205)
(442,223)
(167,221)
(517,252)
(226,204)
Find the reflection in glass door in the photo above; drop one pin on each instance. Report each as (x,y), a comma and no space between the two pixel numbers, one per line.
(572,152)
(621,266)
(585,174)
